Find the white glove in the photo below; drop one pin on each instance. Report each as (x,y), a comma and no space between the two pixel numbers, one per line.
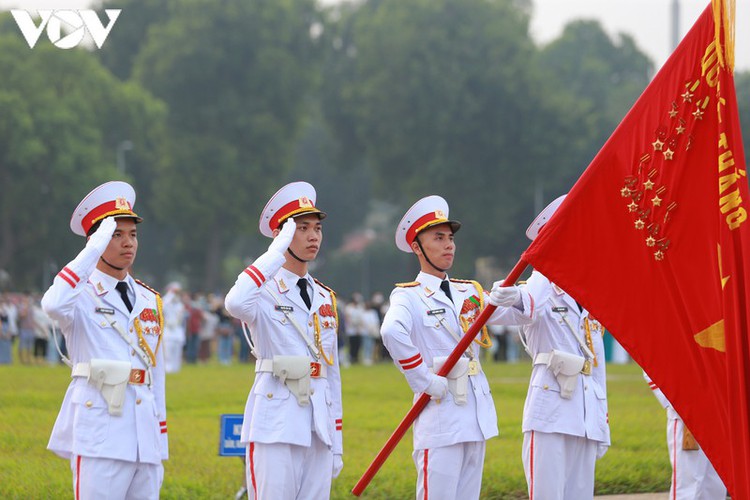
(103,235)
(86,260)
(504,296)
(338,464)
(438,387)
(281,242)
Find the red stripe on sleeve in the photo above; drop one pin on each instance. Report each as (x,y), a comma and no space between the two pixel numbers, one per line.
(410,360)
(65,277)
(257,271)
(412,365)
(72,274)
(249,272)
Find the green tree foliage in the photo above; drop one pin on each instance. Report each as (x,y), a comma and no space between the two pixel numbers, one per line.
(132,30)
(377,103)
(235,76)
(61,117)
(452,98)
(595,80)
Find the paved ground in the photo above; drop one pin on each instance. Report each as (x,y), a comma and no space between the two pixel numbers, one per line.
(635,496)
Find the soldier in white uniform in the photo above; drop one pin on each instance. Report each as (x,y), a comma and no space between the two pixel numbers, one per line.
(293,416)
(693,476)
(423,325)
(113,422)
(175,318)
(565,420)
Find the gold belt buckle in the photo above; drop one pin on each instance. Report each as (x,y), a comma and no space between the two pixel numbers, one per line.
(473,367)
(586,370)
(137,376)
(314,369)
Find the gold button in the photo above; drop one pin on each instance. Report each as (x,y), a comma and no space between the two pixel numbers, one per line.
(269,395)
(104,323)
(312,391)
(138,401)
(131,330)
(546,387)
(89,404)
(132,352)
(437,325)
(309,323)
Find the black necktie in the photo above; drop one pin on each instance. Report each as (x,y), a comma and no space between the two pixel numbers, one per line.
(302,284)
(446,287)
(122,287)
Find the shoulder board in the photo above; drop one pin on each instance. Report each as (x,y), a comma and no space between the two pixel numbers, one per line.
(147,287)
(522,282)
(408,285)
(324,286)
(474,283)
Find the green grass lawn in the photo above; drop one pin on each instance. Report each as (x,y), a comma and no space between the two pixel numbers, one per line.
(375,400)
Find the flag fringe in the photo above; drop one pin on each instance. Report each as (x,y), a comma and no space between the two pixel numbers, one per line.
(724,17)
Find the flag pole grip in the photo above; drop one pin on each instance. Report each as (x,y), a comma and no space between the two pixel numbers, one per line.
(417,408)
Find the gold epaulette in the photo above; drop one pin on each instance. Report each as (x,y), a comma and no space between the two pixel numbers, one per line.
(408,285)
(147,287)
(324,286)
(469,282)
(522,282)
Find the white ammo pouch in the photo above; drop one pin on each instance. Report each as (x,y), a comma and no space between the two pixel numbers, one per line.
(294,372)
(109,377)
(565,366)
(458,377)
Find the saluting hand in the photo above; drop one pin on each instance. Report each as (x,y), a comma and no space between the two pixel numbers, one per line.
(282,240)
(103,235)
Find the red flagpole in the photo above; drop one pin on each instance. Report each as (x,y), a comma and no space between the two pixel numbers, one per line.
(417,408)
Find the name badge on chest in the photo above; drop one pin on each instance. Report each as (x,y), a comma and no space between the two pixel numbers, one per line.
(286,309)
(561,309)
(105,310)
(433,312)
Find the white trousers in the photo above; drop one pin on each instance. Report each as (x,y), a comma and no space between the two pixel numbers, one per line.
(96,478)
(693,476)
(280,471)
(559,466)
(450,472)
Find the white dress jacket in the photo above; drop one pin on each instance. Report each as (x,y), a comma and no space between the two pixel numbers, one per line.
(585,414)
(262,297)
(84,307)
(414,331)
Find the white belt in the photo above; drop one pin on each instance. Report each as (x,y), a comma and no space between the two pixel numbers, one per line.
(137,375)
(543,359)
(475,367)
(317,370)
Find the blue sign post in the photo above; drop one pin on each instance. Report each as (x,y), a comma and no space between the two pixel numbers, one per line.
(229,436)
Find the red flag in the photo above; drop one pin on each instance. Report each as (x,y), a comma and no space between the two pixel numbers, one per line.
(654,241)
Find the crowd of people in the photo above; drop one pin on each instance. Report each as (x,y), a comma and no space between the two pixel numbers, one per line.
(199,330)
